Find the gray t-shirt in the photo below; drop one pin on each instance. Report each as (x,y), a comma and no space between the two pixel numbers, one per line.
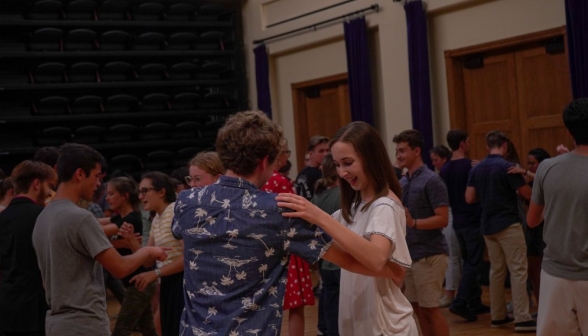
(67,238)
(561,184)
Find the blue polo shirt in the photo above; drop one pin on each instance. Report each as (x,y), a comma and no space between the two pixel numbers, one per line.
(497,192)
(422,193)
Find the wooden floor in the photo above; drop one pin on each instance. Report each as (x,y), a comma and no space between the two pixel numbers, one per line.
(457,325)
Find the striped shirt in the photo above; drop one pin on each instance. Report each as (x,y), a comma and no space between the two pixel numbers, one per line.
(162,234)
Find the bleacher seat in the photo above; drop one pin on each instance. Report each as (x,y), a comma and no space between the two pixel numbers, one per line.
(116,71)
(45,10)
(149,41)
(210,40)
(120,133)
(153,72)
(83,72)
(158,160)
(80,10)
(212,69)
(184,155)
(54,136)
(186,130)
(87,105)
(80,40)
(156,131)
(89,134)
(120,103)
(112,10)
(182,71)
(150,11)
(114,40)
(155,102)
(51,105)
(51,72)
(185,101)
(46,39)
(181,12)
(210,12)
(126,163)
(181,41)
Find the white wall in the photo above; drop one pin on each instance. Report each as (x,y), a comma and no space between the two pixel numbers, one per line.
(315,54)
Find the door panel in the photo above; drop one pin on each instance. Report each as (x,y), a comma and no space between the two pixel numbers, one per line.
(544,91)
(490,101)
(321,107)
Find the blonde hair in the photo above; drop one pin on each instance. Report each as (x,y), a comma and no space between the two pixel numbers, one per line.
(209,162)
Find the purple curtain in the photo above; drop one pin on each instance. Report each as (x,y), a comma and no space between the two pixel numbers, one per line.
(264,100)
(358,69)
(577,28)
(418,66)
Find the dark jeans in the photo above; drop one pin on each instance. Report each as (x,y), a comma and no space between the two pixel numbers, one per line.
(471,243)
(136,311)
(329,301)
(115,285)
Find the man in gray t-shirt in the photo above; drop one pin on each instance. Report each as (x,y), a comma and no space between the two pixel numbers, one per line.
(71,247)
(560,195)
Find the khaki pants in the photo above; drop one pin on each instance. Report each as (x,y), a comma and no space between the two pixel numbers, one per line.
(424,281)
(508,248)
(563,307)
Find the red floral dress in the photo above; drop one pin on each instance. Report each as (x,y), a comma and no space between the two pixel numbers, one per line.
(299,289)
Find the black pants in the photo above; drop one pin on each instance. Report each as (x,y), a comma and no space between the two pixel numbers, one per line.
(471,243)
(329,301)
(171,303)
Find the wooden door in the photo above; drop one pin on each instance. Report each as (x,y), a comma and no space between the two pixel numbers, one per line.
(491,101)
(520,85)
(321,107)
(544,90)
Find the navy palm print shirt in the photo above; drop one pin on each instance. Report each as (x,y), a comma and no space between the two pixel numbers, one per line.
(236,249)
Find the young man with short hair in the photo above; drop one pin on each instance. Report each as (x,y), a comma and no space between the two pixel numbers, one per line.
(466,224)
(560,195)
(22,297)
(490,183)
(318,148)
(424,196)
(237,242)
(71,247)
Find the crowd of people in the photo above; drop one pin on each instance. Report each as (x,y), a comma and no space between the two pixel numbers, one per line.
(228,243)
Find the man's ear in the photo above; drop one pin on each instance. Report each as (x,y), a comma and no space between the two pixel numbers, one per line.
(36,184)
(79,174)
(417,151)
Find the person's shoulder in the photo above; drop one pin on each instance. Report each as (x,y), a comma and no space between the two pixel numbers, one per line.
(386,201)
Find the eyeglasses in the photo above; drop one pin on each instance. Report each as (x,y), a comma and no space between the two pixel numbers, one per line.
(143,191)
(189,179)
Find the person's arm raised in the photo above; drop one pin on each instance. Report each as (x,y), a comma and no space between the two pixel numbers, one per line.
(372,253)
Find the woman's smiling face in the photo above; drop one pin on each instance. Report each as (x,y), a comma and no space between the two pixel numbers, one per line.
(350,166)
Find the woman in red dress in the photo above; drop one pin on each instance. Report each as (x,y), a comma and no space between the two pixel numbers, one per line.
(299,287)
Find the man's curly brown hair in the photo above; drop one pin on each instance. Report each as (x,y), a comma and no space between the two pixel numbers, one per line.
(245,139)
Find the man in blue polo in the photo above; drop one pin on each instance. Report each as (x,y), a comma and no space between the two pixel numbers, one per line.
(490,183)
